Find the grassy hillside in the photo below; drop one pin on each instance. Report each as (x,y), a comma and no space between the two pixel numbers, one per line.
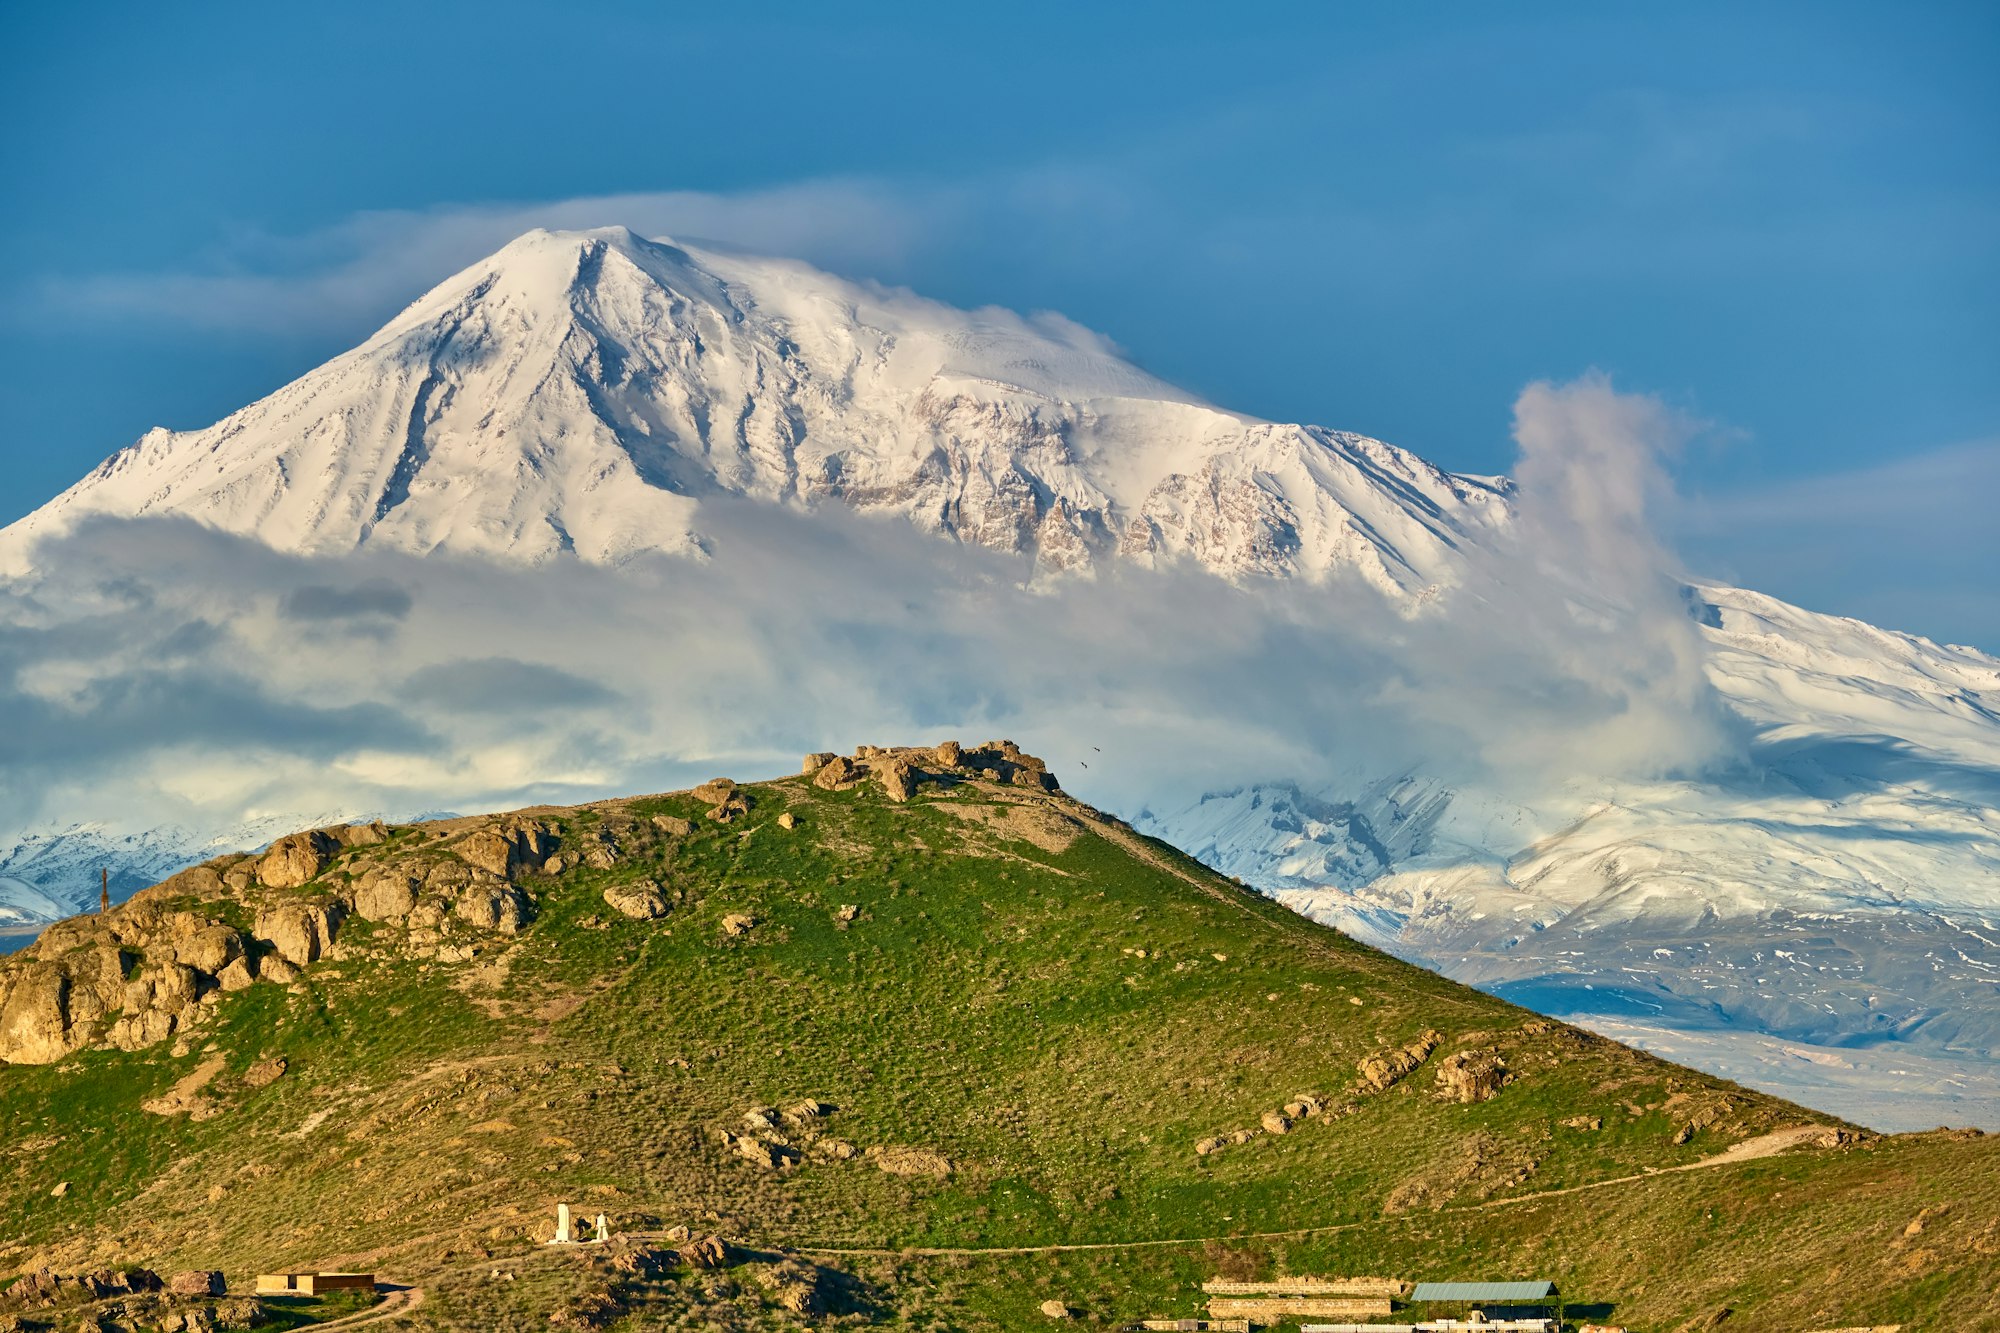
(1015,1018)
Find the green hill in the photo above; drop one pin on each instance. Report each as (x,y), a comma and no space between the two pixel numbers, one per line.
(928,1044)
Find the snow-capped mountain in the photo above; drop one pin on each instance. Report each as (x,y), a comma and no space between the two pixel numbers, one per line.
(1832,901)
(580,392)
(1838,891)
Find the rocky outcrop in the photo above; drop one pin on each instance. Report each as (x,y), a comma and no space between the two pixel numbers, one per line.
(494,904)
(899,779)
(1471,1076)
(388,892)
(837,774)
(43,1288)
(198,1282)
(643,901)
(300,933)
(296,859)
(1385,1069)
(507,847)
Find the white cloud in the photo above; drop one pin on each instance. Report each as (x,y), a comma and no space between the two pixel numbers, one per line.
(149,652)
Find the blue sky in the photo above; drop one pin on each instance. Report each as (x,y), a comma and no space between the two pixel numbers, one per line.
(1782,219)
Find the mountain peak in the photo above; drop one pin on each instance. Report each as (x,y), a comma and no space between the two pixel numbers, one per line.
(577,392)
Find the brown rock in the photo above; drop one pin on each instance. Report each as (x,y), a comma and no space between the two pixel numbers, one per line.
(263,1074)
(715,791)
(731,807)
(737,923)
(674,826)
(490,850)
(709,1252)
(899,779)
(35,1018)
(491,903)
(899,1161)
(210,949)
(788,820)
(1214,1143)
(387,892)
(815,761)
(1471,1076)
(1055,1309)
(295,859)
(299,933)
(1276,1122)
(1382,1071)
(837,774)
(642,901)
(237,976)
(197,1282)
(947,755)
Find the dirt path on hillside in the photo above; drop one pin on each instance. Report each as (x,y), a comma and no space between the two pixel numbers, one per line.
(398,1302)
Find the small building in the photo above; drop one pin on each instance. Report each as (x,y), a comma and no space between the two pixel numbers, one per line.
(1503,1307)
(312,1284)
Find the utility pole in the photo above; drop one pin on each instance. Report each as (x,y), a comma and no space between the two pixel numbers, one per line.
(104,891)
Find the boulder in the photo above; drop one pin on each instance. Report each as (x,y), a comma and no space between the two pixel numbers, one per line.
(1471,1076)
(730,807)
(815,761)
(387,892)
(715,791)
(263,1074)
(899,779)
(947,755)
(738,923)
(1214,1143)
(35,1018)
(299,933)
(837,774)
(788,820)
(1277,1122)
(492,903)
(295,859)
(756,1152)
(491,851)
(237,976)
(709,1252)
(642,901)
(1055,1309)
(673,825)
(209,949)
(197,1282)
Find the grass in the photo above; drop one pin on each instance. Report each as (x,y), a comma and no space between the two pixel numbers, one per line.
(988,1003)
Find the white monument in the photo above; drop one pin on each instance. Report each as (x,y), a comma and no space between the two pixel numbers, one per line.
(603,1229)
(563,1236)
